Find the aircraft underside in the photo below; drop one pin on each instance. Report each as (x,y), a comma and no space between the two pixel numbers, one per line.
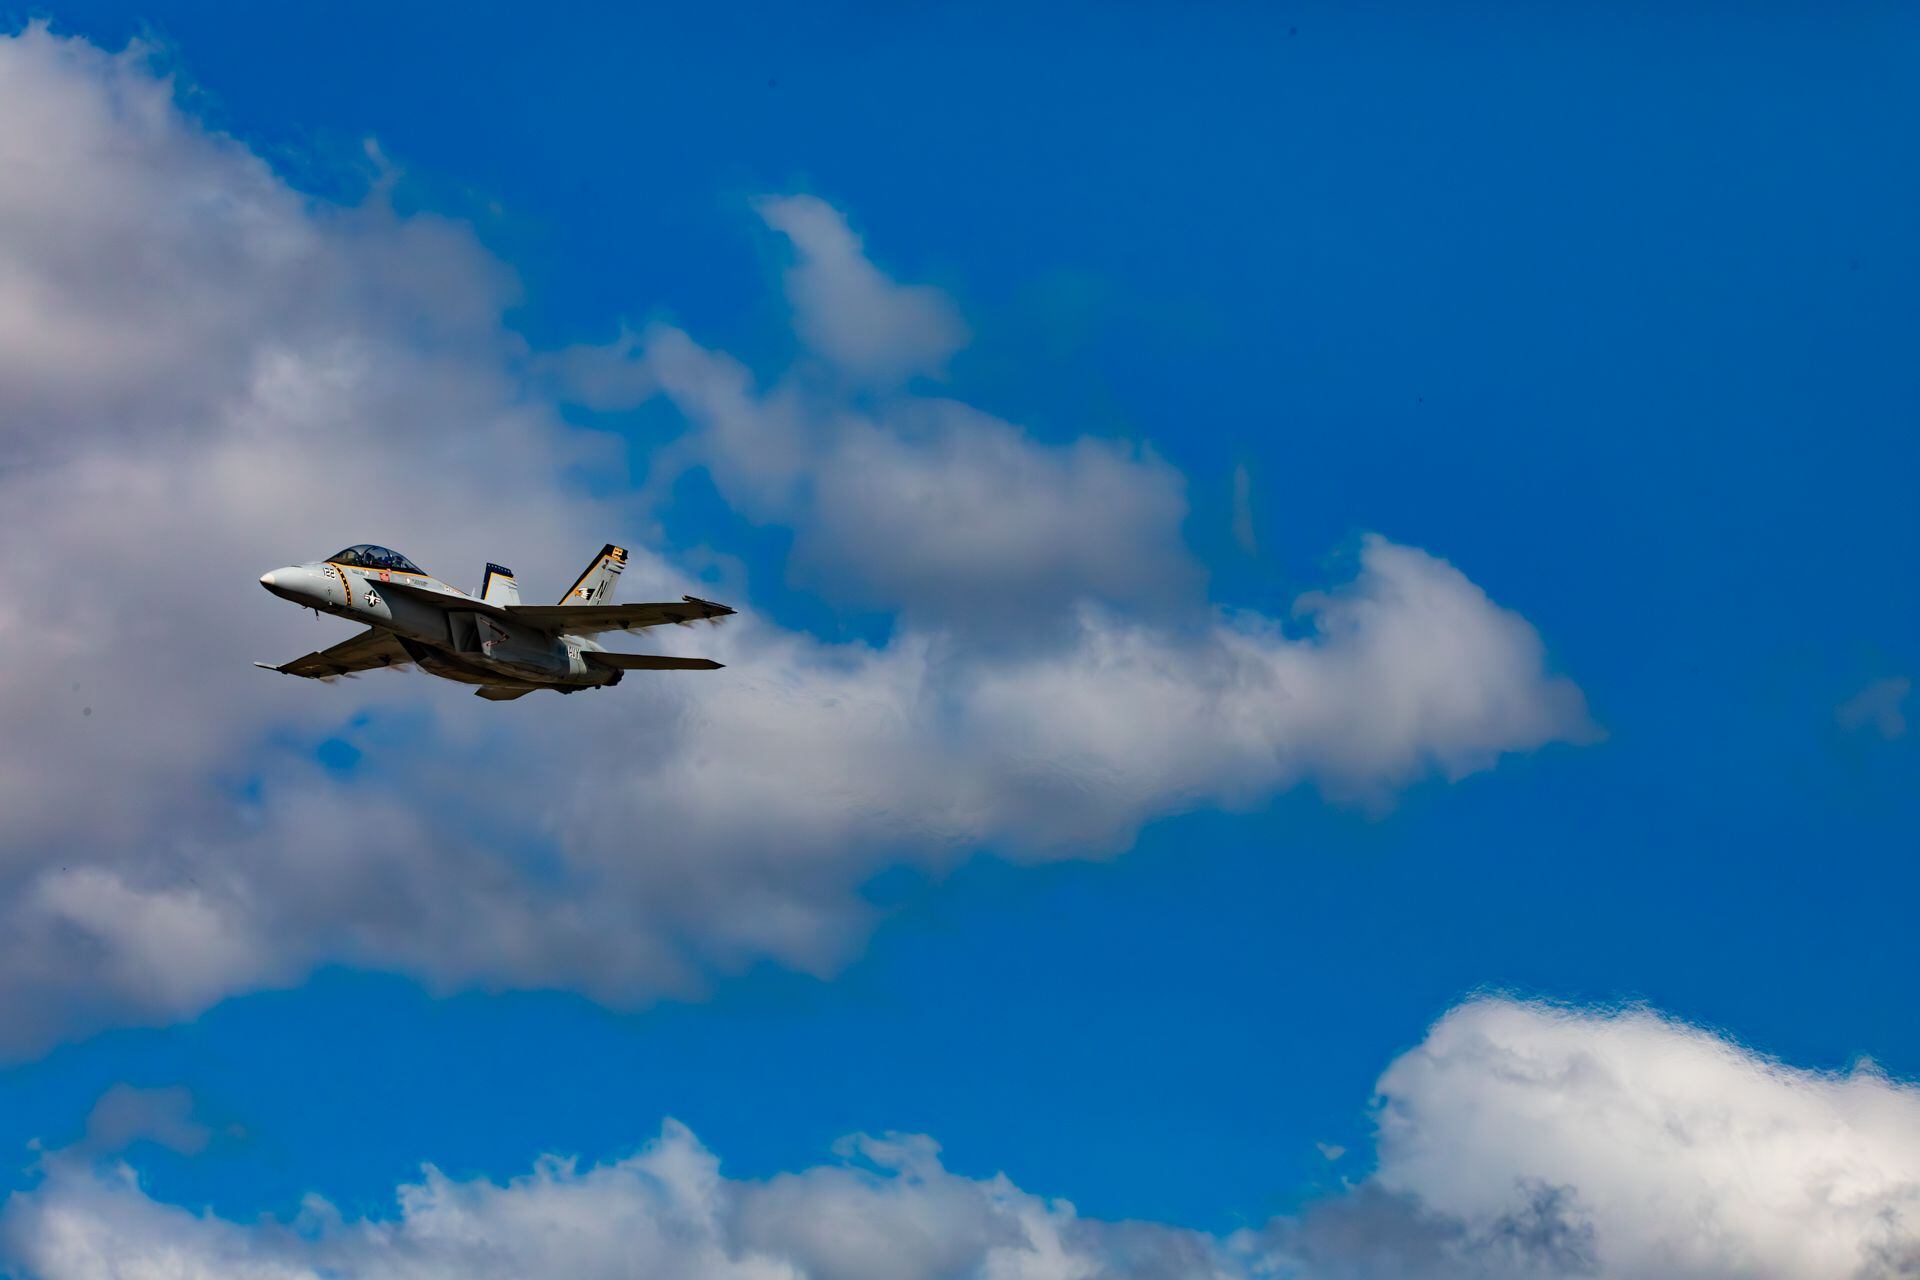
(467,670)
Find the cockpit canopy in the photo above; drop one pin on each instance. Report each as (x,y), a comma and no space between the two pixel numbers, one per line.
(367,556)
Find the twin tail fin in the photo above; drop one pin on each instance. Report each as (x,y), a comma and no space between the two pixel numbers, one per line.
(595,584)
(498,587)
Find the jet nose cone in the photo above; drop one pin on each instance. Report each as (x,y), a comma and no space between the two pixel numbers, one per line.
(302,584)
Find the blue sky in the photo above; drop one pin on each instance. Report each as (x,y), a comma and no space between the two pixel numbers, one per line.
(1612,310)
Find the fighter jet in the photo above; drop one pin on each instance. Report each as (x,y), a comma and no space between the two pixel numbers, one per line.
(507,648)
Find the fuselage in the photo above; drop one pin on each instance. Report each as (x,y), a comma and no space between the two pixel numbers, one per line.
(462,639)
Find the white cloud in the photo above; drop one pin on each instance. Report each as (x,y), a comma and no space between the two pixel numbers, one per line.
(150,267)
(887,1210)
(847,310)
(925,504)
(1527,1139)
(1407,670)
(898,499)
(1518,1140)
(218,375)
(1878,705)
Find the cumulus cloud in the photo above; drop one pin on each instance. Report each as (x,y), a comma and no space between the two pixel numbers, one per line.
(849,311)
(213,375)
(886,1210)
(144,256)
(928,505)
(900,499)
(1517,1140)
(1527,1139)
(217,375)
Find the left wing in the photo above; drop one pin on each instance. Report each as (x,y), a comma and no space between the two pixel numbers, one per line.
(591,619)
(371,648)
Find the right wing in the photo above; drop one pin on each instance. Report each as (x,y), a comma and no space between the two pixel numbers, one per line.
(591,619)
(371,648)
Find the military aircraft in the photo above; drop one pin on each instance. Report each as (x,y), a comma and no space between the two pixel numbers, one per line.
(507,648)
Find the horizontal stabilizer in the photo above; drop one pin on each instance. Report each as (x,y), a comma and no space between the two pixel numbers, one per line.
(650,662)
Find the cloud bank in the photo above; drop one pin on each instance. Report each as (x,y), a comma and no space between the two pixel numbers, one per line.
(205,373)
(1518,1140)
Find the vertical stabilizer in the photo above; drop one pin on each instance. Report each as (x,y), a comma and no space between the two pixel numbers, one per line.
(595,585)
(498,587)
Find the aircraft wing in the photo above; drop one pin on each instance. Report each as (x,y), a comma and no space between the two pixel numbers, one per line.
(591,619)
(371,648)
